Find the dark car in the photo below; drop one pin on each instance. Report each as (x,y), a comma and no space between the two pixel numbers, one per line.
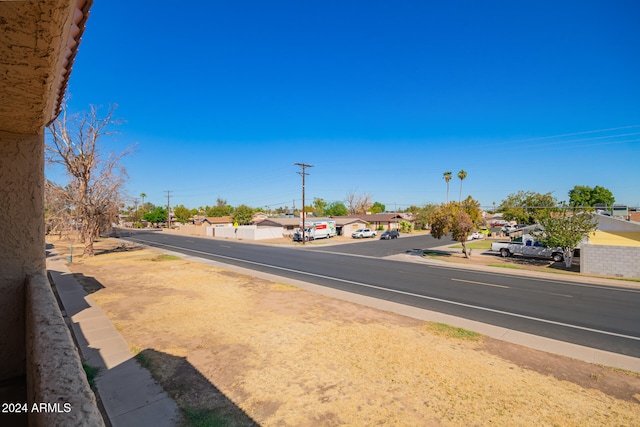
(391,234)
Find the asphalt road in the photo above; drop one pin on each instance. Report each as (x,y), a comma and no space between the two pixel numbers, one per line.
(381,248)
(602,317)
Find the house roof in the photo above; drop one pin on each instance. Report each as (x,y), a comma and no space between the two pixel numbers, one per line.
(283,221)
(295,222)
(269,222)
(218,219)
(386,217)
(40,43)
(610,223)
(613,231)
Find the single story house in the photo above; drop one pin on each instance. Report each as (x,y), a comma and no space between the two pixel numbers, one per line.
(259,216)
(387,221)
(289,225)
(216,221)
(344,225)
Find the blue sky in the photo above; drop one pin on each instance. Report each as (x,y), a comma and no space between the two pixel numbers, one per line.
(222,98)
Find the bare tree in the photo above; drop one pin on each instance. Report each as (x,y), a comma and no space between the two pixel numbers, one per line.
(58,215)
(364,203)
(358,203)
(351,202)
(96,177)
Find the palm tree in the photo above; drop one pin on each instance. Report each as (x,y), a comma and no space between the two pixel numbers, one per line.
(142,196)
(447,177)
(462,175)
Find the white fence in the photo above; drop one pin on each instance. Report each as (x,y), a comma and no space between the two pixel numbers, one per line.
(246,232)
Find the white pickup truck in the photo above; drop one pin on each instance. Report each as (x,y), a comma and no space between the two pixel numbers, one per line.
(363,233)
(529,248)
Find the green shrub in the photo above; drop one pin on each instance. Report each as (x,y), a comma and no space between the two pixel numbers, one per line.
(406,227)
(91,372)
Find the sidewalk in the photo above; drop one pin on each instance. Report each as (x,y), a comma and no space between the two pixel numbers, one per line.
(127,392)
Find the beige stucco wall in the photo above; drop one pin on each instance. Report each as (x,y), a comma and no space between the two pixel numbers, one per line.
(38,37)
(22,251)
(191,230)
(54,373)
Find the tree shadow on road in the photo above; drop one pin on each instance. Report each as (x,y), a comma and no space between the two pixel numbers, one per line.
(544,263)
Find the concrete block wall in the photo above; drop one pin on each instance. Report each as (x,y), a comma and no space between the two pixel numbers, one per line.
(617,261)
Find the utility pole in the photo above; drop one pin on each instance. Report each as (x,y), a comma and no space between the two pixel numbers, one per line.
(303,166)
(135,215)
(168,207)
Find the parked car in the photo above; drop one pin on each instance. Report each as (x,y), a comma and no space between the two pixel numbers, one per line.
(476,235)
(363,233)
(390,234)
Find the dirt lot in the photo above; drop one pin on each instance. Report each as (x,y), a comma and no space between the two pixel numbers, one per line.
(232,347)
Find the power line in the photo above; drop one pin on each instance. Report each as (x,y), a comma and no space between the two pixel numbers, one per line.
(575,133)
(541,138)
(568,141)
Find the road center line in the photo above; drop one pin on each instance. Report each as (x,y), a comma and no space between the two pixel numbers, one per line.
(509,287)
(506,313)
(481,283)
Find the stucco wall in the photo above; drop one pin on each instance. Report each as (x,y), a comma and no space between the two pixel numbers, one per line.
(192,230)
(21,241)
(54,373)
(619,261)
(350,228)
(37,50)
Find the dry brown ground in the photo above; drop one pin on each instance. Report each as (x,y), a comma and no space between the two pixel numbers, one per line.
(234,347)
